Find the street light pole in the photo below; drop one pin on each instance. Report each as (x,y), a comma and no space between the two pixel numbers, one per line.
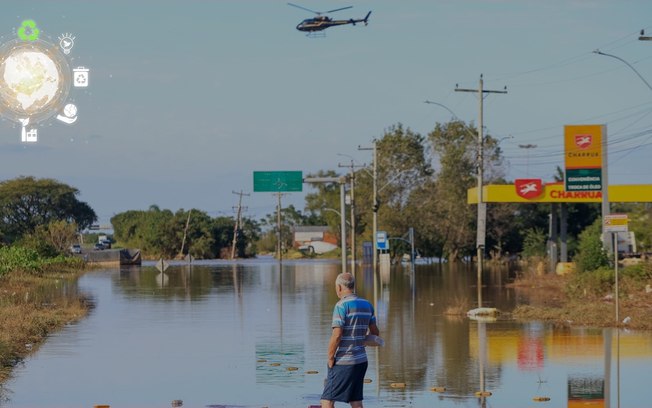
(482,206)
(341,181)
(626,63)
(527,148)
(375,200)
(352,166)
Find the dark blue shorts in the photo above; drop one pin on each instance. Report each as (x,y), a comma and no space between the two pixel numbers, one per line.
(344,383)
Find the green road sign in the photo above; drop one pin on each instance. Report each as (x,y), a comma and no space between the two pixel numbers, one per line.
(277,181)
(583,179)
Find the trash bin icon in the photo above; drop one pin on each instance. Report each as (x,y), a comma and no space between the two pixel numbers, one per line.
(80,77)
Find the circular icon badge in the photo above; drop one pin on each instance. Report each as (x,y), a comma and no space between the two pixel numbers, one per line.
(35,80)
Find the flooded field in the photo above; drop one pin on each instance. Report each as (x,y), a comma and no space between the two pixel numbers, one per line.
(246,335)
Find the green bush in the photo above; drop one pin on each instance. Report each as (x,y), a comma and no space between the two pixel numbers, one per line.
(642,271)
(591,255)
(16,258)
(534,243)
(593,283)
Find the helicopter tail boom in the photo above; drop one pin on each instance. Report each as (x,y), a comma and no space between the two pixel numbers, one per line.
(366,18)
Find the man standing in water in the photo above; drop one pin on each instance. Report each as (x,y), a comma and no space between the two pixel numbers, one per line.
(353,317)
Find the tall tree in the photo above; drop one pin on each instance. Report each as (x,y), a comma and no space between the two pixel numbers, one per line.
(26,203)
(456,148)
(403,167)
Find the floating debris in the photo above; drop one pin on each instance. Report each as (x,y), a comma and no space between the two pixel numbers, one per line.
(292,368)
(275,364)
(397,385)
(438,389)
(483,394)
(541,399)
(367,380)
(261,360)
(312,372)
(483,311)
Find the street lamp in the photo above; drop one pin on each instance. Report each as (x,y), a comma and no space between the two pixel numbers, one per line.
(374,178)
(445,107)
(527,148)
(341,181)
(626,63)
(339,214)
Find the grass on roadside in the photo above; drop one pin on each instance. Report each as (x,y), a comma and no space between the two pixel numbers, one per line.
(33,304)
(587,298)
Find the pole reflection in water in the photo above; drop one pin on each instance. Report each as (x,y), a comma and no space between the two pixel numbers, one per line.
(482,344)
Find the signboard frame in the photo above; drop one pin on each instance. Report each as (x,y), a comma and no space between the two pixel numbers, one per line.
(382,241)
(584,157)
(278,181)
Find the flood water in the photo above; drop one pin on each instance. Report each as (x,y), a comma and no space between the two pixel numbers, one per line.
(226,334)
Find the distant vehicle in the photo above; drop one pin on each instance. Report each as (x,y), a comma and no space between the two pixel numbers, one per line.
(98,247)
(320,23)
(76,249)
(317,247)
(106,243)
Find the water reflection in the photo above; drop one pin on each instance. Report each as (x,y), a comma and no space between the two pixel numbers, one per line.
(253,333)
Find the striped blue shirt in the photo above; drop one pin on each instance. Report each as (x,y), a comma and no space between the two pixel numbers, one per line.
(353,315)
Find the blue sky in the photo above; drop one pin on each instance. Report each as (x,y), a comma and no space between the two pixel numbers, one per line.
(188,98)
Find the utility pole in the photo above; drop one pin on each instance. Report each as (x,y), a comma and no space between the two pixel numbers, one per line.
(185,232)
(279,246)
(238,221)
(375,203)
(352,166)
(482,206)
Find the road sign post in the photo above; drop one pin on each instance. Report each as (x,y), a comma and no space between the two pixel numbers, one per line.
(382,243)
(615,223)
(278,182)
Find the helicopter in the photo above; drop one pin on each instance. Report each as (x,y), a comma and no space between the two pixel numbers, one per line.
(320,22)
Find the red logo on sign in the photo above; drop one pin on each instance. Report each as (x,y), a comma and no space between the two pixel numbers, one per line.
(583,141)
(528,188)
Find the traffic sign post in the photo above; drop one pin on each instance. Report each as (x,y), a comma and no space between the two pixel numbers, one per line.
(382,243)
(278,182)
(615,223)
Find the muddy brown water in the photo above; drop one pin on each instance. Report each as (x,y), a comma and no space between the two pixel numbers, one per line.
(246,334)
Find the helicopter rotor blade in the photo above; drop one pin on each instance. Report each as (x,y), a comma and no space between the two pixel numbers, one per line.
(332,11)
(303,8)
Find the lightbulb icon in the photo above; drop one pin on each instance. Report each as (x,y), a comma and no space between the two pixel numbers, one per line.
(66,42)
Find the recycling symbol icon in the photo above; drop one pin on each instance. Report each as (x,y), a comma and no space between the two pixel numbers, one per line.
(28,31)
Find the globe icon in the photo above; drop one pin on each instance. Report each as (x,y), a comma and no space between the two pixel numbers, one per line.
(34,80)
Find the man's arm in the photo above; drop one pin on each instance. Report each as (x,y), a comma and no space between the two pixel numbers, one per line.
(373,329)
(332,345)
